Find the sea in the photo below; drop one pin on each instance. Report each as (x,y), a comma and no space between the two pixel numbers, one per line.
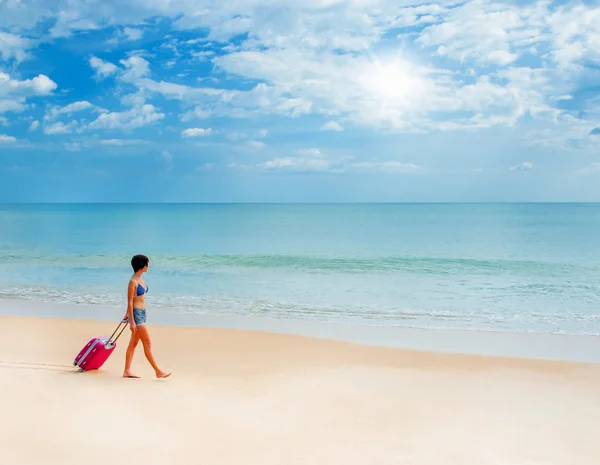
(512,267)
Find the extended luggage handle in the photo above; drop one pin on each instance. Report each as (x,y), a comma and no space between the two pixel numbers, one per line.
(123,322)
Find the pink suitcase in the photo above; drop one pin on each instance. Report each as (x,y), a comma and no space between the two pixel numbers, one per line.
(97,351)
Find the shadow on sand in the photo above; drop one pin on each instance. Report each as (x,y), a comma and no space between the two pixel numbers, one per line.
(38,366)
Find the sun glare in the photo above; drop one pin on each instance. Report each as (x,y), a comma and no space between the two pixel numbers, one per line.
(394,81)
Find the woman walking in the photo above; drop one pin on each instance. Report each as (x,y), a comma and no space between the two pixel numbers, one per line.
(136,315)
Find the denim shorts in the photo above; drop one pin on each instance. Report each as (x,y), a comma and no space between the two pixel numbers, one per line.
(139,316)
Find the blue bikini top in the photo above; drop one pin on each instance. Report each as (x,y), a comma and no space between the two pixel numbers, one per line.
(139,287)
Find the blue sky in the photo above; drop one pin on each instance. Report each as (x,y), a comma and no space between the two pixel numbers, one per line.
(320,100)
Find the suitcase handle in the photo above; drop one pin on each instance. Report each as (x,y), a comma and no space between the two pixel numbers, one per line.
(115,331)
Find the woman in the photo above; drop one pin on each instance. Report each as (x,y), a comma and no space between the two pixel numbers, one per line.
(136,315)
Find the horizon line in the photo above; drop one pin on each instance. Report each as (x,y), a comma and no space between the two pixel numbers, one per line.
(438,202)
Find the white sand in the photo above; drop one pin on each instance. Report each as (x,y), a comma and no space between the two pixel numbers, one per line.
(249,397)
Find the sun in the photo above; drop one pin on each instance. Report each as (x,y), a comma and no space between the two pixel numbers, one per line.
(394,81)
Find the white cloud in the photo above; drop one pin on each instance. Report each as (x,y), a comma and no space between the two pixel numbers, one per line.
(127,34)
(14,46)
(14,93)
(34,126)
(183,92)
(133,33)
(39,85)
(332,126)
(525,166)
(341,165)
(4,139)
(11,105)
(203,55)
(120,142)
(381,91)
(135,99)
(136,117)
(198,112)
(196,132)
(262,133)
(487,32)
(255,144)
(567,132)
(54,112)
(369,91)
(136,68)
(296,164)
(70,19)
(60,128)
(103,68)
(575,35)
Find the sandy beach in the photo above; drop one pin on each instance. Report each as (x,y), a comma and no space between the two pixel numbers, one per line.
(252,397)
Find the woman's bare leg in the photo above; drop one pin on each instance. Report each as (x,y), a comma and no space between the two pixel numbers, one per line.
(133,342)
(147,343)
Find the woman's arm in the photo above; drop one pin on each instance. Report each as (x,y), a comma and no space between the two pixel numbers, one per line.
(130,293)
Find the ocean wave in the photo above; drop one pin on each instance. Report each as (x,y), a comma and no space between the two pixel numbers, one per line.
(485,319)
(190,263)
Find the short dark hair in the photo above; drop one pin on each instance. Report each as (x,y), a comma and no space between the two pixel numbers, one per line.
(139,261)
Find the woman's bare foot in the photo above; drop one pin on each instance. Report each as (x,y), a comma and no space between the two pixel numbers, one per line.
(129,374)
(162,374)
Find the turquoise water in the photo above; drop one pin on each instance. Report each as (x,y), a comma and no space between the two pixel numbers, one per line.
(507,267)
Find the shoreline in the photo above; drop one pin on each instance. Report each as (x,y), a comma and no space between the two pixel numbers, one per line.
(332,352)
(542,346)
